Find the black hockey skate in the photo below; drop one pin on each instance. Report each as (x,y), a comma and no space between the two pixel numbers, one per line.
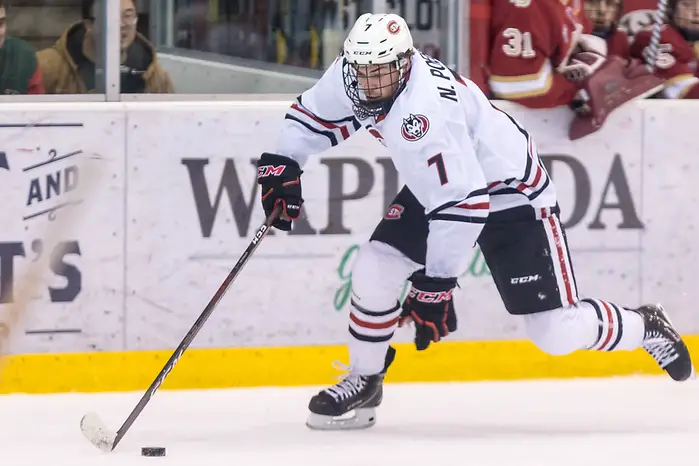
(331,409)
(665,344)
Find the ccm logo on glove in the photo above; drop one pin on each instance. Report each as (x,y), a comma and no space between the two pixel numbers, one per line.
(270,170)
(430,306)
(431,296)
(280,180)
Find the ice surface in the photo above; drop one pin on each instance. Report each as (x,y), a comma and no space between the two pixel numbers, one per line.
(620,422)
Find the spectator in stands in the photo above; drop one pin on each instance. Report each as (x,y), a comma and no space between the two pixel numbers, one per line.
(19,71)
(237,39)
(677,57)
(69,66)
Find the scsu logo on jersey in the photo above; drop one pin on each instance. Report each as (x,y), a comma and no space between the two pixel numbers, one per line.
(414,127)
(394,212)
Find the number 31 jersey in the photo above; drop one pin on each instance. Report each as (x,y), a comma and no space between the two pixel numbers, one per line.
(459,155)
(530,39)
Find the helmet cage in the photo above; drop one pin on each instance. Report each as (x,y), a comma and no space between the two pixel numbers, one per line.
(392,75)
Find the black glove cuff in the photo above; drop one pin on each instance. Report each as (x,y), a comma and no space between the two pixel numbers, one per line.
(426,283)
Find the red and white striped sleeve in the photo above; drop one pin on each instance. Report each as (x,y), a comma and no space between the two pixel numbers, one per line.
(319,119)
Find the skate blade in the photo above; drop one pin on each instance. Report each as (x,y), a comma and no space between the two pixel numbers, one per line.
(693,374)
(362,418)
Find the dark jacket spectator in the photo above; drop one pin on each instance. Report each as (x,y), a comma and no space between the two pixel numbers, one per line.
(69,66)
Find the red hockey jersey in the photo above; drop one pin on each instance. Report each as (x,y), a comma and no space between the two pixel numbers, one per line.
(529,40)
(676,62)
(618,44)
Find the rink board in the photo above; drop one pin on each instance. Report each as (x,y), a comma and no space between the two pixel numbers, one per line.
(176,204)
(299,366)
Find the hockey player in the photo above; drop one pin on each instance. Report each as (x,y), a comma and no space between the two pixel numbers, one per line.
(605,16)
(678,53)
(531,42)
(472,175)
(543,55)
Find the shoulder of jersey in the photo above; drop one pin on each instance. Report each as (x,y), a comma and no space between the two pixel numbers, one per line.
(668,35)
(673,36)
(520,10)
(421,90)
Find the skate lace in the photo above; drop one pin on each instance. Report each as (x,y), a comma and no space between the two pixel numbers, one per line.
(660,348)
(350,384)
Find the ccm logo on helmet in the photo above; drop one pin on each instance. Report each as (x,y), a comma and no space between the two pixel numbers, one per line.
(393,27)
(270,170)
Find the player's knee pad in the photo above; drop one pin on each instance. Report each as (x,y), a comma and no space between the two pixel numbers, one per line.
(378,277)
(379,274)
(559,331)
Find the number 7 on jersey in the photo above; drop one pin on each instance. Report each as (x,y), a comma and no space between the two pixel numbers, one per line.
(438,161)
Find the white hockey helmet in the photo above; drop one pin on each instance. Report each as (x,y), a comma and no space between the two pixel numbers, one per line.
(376,39)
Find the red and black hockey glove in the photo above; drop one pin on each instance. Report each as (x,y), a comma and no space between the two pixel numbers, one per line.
(280,180)
(430,306)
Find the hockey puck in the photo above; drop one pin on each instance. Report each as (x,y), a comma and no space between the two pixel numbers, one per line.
(153,451)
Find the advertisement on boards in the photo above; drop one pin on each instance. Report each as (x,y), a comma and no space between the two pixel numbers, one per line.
(61,182)
(295,289)
(206,170)
(176,202)
(670,206)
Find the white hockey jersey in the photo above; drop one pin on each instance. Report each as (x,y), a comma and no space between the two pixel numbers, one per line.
(460,156)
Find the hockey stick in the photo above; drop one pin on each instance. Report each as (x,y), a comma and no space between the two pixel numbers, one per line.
(92,426)
(653,49)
